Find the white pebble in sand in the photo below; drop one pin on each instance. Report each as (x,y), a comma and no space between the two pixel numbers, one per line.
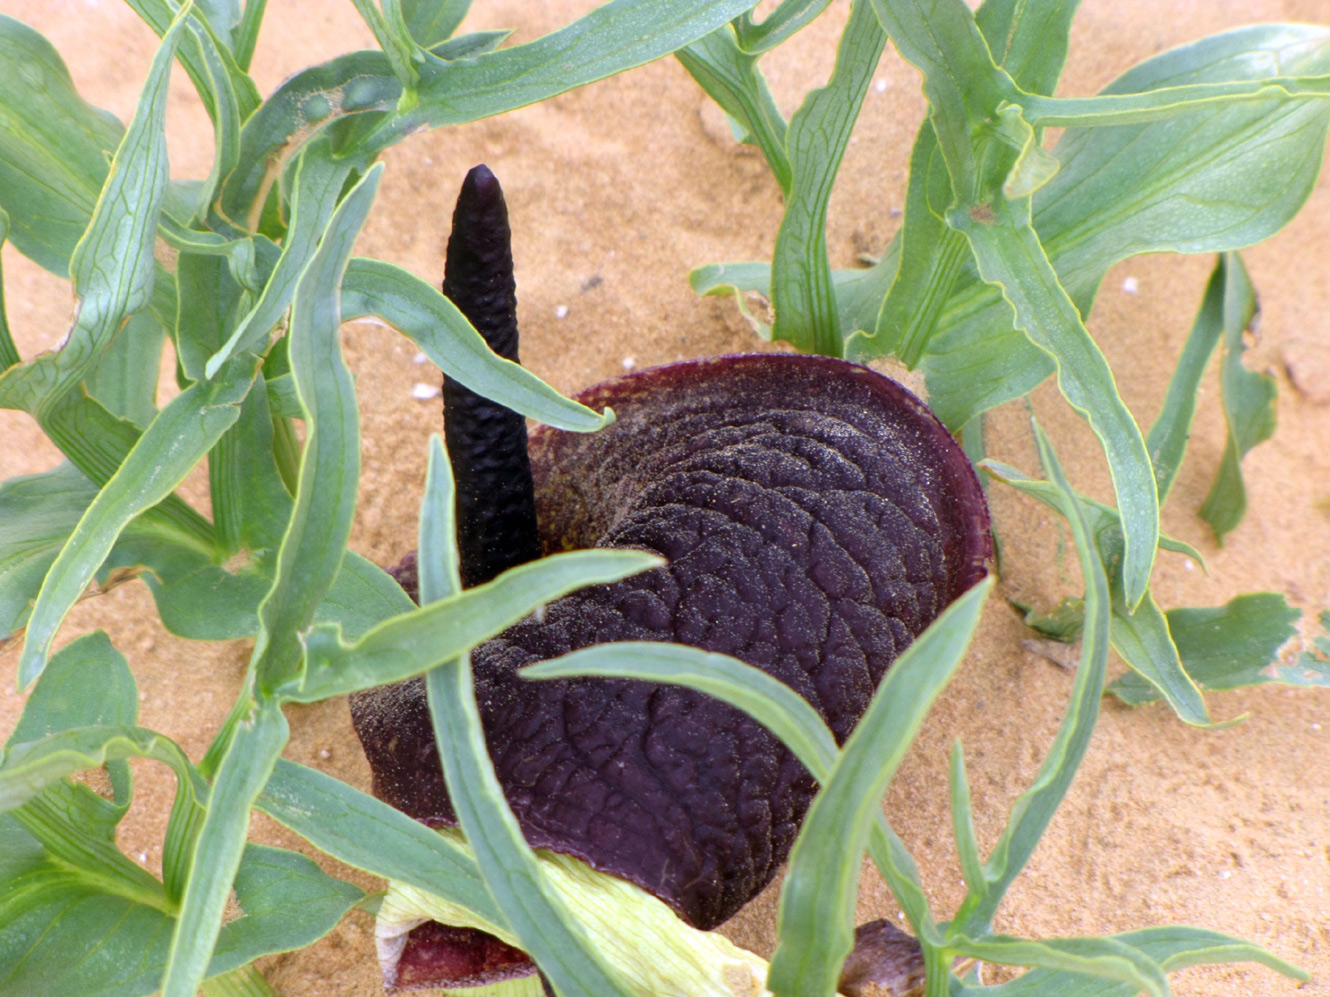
(1130,286)
(561,311)
(425,392)
(629,363)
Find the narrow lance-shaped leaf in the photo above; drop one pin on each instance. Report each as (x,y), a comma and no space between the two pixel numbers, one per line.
(53,148)
(817,901)
(255,746)
(1224,647)
(731,77)
(1035,807)
(1167,439)
(174,442)
(1248,398)
(1172,947)
(311,552)
(112,265)
(1216,178)
(1106,958)
(415,642)
(366,833)
(1009,255)
(318,183)
(434,324)
(802,294)
(562,950)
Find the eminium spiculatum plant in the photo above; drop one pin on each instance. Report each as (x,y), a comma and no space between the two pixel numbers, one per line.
(686,630)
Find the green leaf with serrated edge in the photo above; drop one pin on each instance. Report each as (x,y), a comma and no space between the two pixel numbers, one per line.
(1224,647)
(1214,179)
(255,746)
(288,903)
(433,21)
(434,324)
(312,549)
(819,132)
(613,37)
(1167,439)
(318,184)
(366,833)
(772,704)
(1248,401)
(818,899)
(1172,947)
(566,955)
(125,378)
(1035,807)
(1140,637)
(112,265)
(167,451)
(733,80)
(415,642)
(1106,958)
(789,17)
(53,149)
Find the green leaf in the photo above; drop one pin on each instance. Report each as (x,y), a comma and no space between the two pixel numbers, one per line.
(415,642)
(962,823)
(433,21)
(1145,642)
(1249,403)
(366,833)
(287,901)
(1216,178)
(312,549)
(818,899)
(562,949)
(1224,647)
(767,700)
(1035,807)
(254,749)
(87,684)
(53,149)
(318,185)
(802,293)
(175,441)
(250,504)
(731,77)
(1172,947)
(1106,958)
(112,265)
(1167,439)
(436,552)
(443,334)
(780,24)
(1009,254)
(125,378)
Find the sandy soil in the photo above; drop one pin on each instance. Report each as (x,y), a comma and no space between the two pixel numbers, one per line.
(616,191)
